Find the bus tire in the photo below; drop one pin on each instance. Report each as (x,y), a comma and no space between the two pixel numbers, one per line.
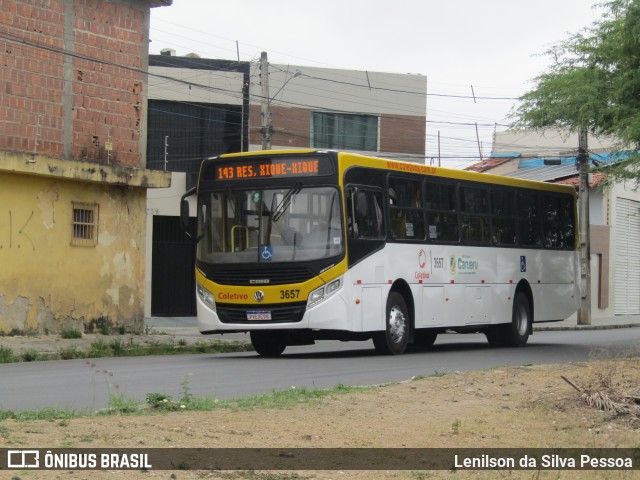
(517,332)
(424,338)
(395,337)
(496,335)
(268,344)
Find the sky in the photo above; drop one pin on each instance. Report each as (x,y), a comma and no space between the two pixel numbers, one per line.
(486,48)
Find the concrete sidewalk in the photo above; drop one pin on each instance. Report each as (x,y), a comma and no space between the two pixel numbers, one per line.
(188,326)
(619,321)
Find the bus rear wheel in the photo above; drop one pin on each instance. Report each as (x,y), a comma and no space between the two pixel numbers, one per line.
(394,339)
(424,338)
(516,333)
(268,344)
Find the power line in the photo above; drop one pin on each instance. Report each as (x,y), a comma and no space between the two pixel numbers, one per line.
(168,80)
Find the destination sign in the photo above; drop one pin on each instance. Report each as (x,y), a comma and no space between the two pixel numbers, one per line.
(273,167)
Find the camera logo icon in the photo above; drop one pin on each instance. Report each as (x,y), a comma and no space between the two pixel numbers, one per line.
(23,459)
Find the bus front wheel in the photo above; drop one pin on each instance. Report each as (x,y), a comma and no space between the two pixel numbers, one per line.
(393,340)
(268,344)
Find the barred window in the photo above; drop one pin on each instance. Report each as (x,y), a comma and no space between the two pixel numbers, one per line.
(85,224)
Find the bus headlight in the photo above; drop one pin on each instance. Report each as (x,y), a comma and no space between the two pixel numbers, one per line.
(206,296)
(322,293)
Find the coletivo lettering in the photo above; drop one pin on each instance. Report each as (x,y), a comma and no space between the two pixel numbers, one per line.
(232,296)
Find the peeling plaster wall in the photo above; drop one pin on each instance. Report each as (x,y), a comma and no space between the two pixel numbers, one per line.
(46,282)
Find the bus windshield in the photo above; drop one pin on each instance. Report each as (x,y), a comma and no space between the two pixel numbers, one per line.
(289,224)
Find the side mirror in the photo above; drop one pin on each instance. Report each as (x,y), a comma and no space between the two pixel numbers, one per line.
(184,213)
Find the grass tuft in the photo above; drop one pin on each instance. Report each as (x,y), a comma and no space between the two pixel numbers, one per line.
(70,333)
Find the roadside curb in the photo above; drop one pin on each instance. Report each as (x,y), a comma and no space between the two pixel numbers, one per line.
(584,327)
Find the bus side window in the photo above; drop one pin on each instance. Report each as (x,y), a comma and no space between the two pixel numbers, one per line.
(474,220)
(529,219)
(405,209)
(568,223)
(551,222)
(442,217)
(368,214)
(503,218)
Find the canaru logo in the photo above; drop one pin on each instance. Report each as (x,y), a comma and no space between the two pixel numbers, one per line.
(262,281)
(467,264)
(258,296)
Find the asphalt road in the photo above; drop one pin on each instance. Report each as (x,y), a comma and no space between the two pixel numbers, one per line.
(87,385)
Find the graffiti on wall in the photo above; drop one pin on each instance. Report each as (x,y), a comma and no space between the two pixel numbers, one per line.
(14,232)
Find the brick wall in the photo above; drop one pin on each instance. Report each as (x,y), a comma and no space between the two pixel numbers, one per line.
(292,128)
(71,105)
(402,134)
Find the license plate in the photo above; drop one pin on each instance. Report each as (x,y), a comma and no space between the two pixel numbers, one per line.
(259,315)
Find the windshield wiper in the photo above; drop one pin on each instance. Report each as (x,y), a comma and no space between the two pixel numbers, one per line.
(286,201)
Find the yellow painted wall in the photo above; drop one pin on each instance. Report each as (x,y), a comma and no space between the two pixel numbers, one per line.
(45,282)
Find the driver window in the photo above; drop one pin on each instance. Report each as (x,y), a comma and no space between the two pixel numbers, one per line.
(368,214)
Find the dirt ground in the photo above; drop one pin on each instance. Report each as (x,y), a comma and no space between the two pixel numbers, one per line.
(528,407)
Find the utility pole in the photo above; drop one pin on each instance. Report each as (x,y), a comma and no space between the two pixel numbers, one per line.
(584,314)
(478,140)
(266,115)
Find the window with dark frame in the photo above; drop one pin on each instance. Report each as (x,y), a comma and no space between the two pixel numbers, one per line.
(442,214)
(529,219)
(405,209)
(504,226)
(369,219)
(568,222)
(474,221)
(450,212)
(85,224)
(344,131)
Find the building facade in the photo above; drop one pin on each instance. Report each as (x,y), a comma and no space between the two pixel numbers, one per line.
(72,164)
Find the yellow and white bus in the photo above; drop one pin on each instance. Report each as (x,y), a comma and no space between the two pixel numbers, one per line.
(296,246)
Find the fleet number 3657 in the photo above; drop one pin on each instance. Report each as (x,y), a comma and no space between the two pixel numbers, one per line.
(289,294)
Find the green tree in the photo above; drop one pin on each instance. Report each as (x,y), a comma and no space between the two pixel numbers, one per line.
(593,82)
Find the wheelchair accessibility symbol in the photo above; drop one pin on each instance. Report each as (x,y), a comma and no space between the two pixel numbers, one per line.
(266,253)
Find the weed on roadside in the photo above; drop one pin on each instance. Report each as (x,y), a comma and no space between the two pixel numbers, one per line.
(69,353)
(30,355)
(6,355)
(118,347)
(70,333)
(99,349)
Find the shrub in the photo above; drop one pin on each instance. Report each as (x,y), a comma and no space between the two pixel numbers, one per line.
(70,332)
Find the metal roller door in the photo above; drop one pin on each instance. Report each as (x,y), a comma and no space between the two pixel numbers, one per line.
(627,257)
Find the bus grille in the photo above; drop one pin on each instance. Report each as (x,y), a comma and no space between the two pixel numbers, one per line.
(280,276)
(288,313)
